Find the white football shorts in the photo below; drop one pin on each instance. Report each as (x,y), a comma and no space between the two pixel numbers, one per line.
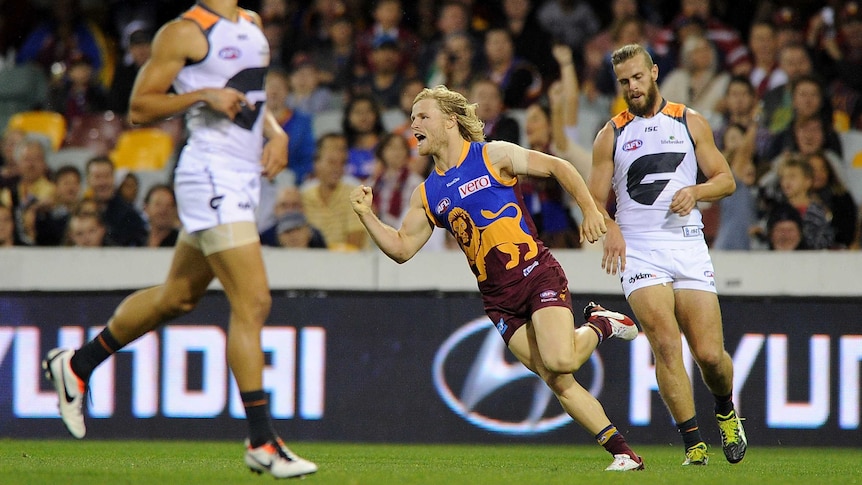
(685,268)
(208,195)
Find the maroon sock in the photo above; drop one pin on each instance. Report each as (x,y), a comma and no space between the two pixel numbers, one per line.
(602,327)
(613,441)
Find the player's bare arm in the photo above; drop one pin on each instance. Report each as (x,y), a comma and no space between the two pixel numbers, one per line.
(719,182)
(274,158)
(614,246)
(511,160)
(176,43)
(399,244)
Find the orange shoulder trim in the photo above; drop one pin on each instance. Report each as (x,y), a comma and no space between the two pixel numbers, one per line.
(622,119)
(246,15)
(201,16)
(428,212)
(674,110)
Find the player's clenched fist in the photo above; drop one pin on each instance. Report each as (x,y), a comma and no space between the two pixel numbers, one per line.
(360,199)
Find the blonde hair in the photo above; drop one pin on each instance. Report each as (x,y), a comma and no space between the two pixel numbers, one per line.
(630,51)
(453,103)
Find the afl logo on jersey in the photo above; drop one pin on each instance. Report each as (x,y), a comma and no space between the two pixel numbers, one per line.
(443,205)
(230,53)
(632,145)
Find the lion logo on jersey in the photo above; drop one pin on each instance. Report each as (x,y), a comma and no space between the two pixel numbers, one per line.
(503,233)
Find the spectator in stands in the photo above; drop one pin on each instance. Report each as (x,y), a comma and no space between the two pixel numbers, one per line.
(452,20)
(455,64)
(79,93)
(530,40)
(87,230)
(795,61)
(275,29)
(789,26)
(362,124)
(811,127)
(138,51)
(784,229)
(336,57)
(297,124)
(519,80)
(765,74)
(836,40)
(738,211)
(124,226)
(830,189)
(51,222)
(490,109)
(571,22)
(31,187)
(288,200)
(8,166)
(796,179)
(734,54)
(65,36)
(306,92)
(294,231)
(384,78)
(8,232)
(396,182)
(326,203)
(387,16)
(128,187)
(742,109)
(698,82)
(163,221)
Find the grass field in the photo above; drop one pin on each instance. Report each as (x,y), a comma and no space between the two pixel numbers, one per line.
(185,462)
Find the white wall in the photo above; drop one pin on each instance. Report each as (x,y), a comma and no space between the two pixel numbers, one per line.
(833,273)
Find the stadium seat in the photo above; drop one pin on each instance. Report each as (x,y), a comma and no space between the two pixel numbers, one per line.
(98,132)
(851,143)
(48,123)
(143,149)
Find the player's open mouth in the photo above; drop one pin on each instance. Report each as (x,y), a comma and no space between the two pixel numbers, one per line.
(420,138)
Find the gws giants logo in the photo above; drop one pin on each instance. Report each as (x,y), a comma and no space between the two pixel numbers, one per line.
(480,381)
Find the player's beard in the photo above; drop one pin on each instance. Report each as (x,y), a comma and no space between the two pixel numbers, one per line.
(649,99)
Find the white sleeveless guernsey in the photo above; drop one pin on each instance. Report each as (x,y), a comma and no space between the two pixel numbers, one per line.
(238,58)
(653,159)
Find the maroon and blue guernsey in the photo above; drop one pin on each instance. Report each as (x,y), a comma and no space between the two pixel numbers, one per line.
(488,219)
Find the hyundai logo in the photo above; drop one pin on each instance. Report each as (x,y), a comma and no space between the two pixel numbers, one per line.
(475,379)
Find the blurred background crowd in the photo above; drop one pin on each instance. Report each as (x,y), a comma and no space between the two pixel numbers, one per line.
(779,81)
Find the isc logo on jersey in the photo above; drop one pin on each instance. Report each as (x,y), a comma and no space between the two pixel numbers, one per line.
(474,186)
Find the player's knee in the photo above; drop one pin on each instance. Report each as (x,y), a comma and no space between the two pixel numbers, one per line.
(254,307)
(176,304)
(561,364)
(711,359)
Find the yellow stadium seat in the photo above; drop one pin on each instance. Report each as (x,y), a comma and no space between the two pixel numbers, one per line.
(48,123)
(143,149)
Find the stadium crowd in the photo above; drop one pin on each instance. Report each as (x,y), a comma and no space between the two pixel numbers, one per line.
(779,81)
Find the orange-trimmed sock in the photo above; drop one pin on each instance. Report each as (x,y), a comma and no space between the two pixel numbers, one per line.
(257,414)
(690,432)
(93,353)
